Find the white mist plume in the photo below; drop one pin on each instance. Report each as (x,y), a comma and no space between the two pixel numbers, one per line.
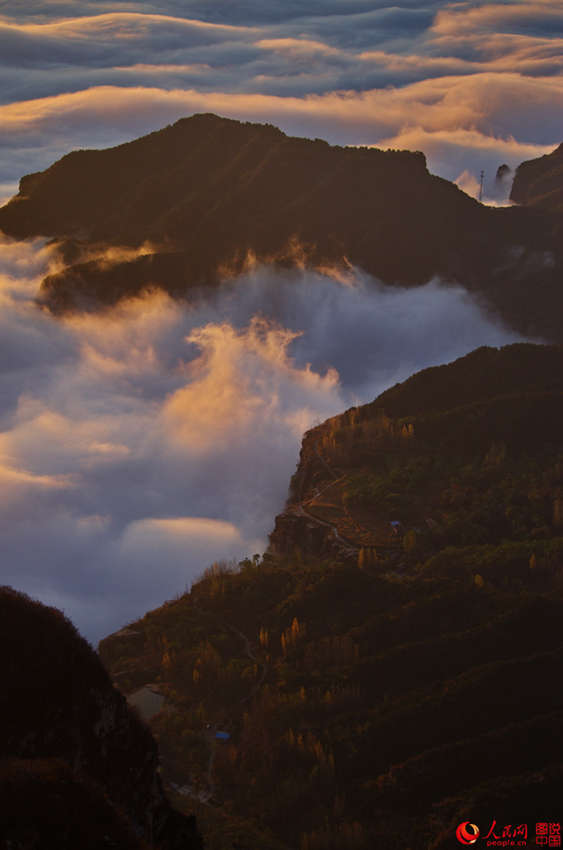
(140,444)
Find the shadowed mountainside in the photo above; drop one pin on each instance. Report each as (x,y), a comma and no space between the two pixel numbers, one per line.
(539,182)
(389,668)
(368,474)
(206,193)
(78,768)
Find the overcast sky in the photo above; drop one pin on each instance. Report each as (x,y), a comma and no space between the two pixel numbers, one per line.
(138,446)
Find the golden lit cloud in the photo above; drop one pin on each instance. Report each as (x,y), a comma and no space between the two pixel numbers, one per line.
(459,19)
(442,103)
(183,531)
(138,445)
(14,478)
(297,46)
(114,25)
(145,68)
(237,382)
(141,444)
(498,53)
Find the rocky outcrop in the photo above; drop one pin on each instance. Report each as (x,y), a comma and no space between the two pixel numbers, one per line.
(296,533)
(489,403)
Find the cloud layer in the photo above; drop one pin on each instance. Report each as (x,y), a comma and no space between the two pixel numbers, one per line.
(141,444)
(472,85)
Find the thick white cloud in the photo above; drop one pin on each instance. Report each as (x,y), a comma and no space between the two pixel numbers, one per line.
(140,444)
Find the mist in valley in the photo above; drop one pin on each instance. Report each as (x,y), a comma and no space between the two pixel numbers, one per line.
(140,444)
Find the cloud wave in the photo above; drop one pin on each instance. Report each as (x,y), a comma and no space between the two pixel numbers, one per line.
(93,74)
(140,444)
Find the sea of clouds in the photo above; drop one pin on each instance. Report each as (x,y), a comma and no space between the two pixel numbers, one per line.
(141,444)
(473,85)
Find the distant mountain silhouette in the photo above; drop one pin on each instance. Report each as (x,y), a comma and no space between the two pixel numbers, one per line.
(209,192)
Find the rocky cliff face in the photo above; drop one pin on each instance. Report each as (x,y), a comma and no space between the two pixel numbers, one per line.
(503,401)
(195,199)
(68,734)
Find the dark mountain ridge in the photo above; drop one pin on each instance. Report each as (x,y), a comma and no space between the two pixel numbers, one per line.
(539,182)
(388,670)
(498,402)
(208,192)
(78,768)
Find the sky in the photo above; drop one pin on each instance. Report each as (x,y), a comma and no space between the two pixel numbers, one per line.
(473,85)
(139,445)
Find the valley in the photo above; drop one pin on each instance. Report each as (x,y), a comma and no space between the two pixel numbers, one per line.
(281,425)
(385,669)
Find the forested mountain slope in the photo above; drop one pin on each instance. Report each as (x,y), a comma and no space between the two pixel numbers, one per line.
(389,668)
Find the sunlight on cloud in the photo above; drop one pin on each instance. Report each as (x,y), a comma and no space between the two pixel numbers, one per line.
(243,379)
(117,24)
(146,441)
(92,75)
(160,541)
(449,152)
(15,479)
(444,103)
(139,444)
(297,46)
(460,19)
(469,184)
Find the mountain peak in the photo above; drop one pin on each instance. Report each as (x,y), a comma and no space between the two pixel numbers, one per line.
(207,192)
